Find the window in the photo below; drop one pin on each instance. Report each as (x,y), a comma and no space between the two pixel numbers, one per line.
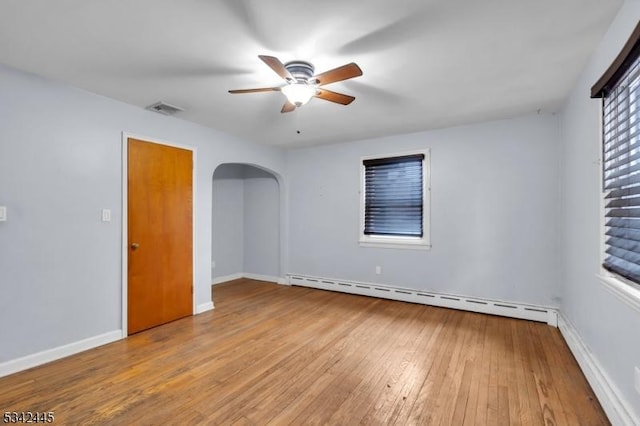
(394,201)
(619,89)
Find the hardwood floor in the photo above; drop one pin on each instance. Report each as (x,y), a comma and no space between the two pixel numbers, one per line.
(272,354)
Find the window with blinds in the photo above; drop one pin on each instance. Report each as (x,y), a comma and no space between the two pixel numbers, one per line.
(394,196)
(620,90)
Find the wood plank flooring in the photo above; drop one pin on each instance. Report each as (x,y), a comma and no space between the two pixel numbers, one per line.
(277,355)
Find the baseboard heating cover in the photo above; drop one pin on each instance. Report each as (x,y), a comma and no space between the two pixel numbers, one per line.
(473,304)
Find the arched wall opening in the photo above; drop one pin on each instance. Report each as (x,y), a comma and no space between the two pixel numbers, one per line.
(246,223)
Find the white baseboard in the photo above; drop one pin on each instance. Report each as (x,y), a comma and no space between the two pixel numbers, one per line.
(33,360)
(283,281)
(225,278)
(612,401)
(204,307)
(257,277)
(473,304)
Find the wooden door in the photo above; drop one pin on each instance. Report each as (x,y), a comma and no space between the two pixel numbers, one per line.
(160,215)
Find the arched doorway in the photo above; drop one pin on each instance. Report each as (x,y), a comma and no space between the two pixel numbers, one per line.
(246,223)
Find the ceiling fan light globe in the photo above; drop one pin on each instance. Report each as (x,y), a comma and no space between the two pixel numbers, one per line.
(299,93)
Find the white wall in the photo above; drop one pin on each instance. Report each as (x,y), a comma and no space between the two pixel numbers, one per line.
(228,223)
(607,326)
(261,223)
(494,204)
(60,163)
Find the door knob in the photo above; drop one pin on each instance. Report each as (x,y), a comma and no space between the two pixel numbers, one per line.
(134,246)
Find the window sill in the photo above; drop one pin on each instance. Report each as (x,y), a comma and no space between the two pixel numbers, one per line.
(622,290)
(395,244)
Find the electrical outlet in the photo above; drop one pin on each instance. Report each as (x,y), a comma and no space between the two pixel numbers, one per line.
(3,213)
(213,264)
(378,270)
(637,379)
(106,215)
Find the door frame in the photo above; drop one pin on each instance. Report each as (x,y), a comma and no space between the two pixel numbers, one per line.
(125,218)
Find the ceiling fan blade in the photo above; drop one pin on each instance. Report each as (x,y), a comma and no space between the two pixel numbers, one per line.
(261,89)
(338,98)
(344,72)
(288,107)
(275,64)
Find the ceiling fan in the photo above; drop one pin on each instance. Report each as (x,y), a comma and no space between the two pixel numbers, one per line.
(302,84)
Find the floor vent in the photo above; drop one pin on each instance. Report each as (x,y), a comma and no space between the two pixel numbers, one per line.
(473,304)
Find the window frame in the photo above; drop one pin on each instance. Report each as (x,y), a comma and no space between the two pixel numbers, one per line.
(624,289)
(393,241)
(619,286)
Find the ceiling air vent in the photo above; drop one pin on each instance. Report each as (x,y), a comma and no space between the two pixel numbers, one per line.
(164,108)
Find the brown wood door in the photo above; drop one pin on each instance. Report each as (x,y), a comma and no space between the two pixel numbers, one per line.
(160,215)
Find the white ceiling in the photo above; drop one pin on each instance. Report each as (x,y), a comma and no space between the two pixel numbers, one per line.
(427,63)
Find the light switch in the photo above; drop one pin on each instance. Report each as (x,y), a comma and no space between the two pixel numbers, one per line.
(3,213)
(106,215)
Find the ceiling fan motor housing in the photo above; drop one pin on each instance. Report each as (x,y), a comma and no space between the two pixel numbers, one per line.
(300,70)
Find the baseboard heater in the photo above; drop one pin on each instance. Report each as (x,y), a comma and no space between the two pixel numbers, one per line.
(473,304)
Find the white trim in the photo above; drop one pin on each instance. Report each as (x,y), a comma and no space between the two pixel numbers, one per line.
(284,281)
(259,277)
(624,291)
(615,406)
(204,307)
(194,222)
(392,242)
(125,218)
(33,360)
(225,278)
(474,304)
(124,241)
